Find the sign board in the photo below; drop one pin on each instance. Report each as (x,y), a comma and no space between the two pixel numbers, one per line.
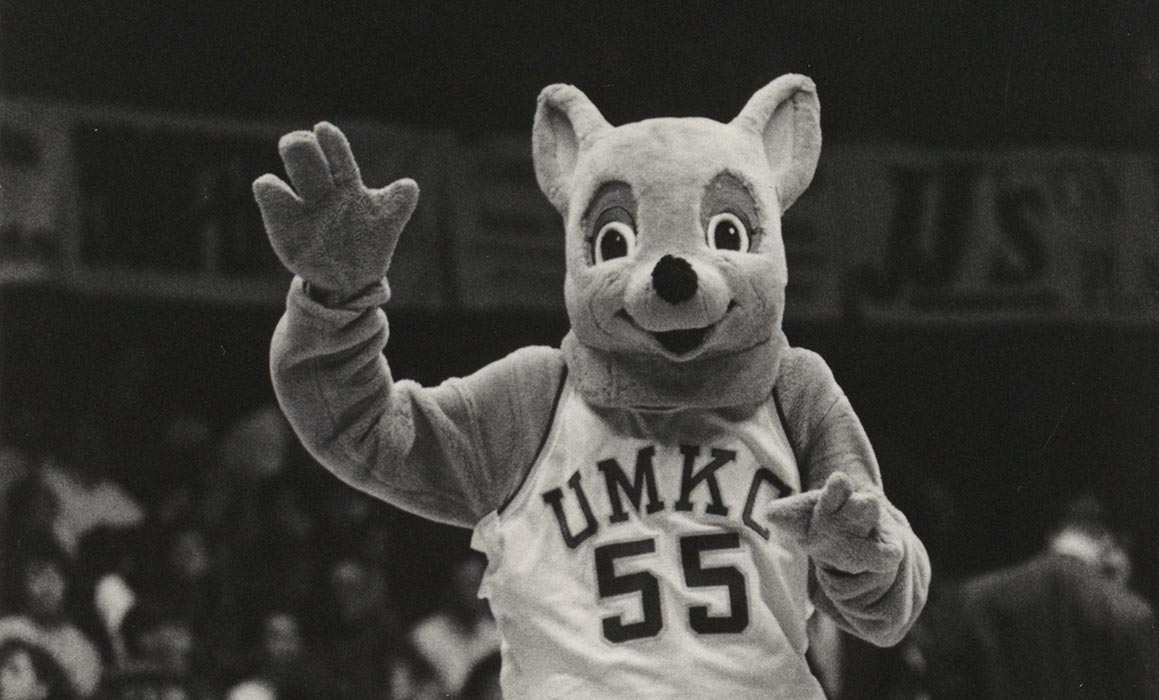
(1058,235)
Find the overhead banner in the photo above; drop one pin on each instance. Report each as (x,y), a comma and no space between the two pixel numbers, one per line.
(1050,235)
(109,201)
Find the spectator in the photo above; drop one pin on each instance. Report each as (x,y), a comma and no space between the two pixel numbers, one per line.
(462,632)
(157,639)
(278,566)
(184,579)
(483,681)
(30,511)
(43,618)
(106,583)
(362,643)
(1061,625)
(28,672)
(16,462)
(87,496)
(283,663)
(415,679)
(163,659)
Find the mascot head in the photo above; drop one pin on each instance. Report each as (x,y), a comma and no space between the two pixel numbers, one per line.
(676,267)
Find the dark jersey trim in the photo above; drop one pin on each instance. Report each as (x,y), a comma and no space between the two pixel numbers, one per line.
(542,443)
(789,434)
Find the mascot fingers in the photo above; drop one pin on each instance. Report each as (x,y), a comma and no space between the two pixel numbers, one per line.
(841,526)
(306,165)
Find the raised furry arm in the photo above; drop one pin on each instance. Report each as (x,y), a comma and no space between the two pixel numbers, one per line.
(450,453)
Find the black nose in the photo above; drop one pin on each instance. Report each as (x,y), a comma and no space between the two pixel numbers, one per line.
(674,279)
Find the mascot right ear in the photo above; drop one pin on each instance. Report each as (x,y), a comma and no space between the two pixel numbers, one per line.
(565,122)
(786,115)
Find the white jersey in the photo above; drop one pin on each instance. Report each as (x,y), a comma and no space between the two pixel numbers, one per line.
(635,560)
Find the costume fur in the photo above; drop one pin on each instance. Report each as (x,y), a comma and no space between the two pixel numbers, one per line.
(675,290)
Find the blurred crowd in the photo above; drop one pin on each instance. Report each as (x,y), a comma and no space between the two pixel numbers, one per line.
(238,571)
(233,574)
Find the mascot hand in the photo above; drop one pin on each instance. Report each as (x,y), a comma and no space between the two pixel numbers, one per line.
(334,232)
(842,527)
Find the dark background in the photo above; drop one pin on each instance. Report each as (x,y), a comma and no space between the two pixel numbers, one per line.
(961,73)
(1012,419)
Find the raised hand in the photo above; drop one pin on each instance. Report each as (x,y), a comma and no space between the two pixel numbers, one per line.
(843,528)
(333,231)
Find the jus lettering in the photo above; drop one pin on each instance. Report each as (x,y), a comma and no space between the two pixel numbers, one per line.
(640,490)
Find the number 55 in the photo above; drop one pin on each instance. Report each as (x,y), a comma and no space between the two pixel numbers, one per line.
(648,587)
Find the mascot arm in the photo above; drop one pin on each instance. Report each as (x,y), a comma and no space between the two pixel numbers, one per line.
(450,453)
(870,572)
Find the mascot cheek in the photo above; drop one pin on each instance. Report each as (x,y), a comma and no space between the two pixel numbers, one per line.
(594,295)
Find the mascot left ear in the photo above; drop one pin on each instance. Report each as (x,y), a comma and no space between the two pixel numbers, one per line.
(565,120)
(786,114)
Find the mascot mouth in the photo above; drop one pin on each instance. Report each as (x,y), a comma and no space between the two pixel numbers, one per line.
(682,340)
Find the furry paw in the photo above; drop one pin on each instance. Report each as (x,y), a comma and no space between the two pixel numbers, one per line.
(329,228)
(843,527)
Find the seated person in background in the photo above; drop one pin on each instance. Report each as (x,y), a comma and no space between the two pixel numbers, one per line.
(460,633)
(1061,625)
(107,564)
(42,616)
(281,661)
(157,638)
(87,496)
(30,509)
(28,672)
(483,680)
(360,642)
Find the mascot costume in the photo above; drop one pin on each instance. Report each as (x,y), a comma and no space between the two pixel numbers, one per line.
(665,499)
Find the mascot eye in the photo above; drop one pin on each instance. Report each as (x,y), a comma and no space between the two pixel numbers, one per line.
(727,232)
(615,239)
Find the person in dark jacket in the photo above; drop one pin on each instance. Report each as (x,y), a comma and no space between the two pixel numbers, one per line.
(1061,625)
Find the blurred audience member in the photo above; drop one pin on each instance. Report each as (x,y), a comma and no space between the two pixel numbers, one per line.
(461,632)
(107,583)
(28,672)
(415,679)
(282,663)
(30,511)
(1061,625)
(16,462)
(483,681)
(183,578)
(157,638)
(277,566)
(361,639)
(162,656)
(257,445)
(86,495)
(42,616)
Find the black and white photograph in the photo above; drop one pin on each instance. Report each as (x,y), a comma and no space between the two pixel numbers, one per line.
(584,350)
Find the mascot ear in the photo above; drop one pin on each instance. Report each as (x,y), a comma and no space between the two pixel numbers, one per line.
(786,114)
(565,120)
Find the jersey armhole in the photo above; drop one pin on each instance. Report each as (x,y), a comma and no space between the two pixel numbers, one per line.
(789,434)
(547,433)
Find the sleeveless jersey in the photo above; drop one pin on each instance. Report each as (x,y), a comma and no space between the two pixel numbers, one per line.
(635,561)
